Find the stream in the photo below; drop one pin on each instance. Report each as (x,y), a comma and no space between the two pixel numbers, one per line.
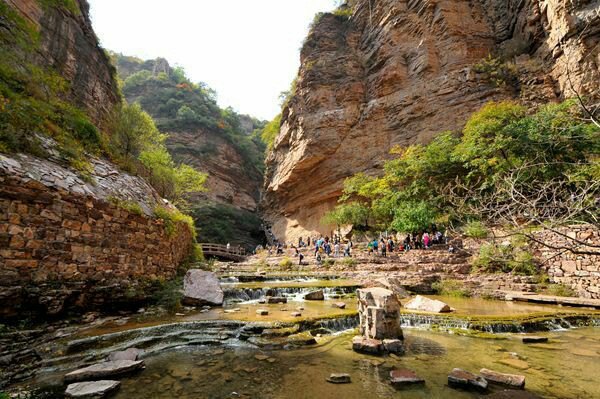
(232,352)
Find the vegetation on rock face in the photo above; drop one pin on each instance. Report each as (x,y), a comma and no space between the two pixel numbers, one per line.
(31,99)
(269,133)
(32,106)
(177,104)
(218,223)
(456,179)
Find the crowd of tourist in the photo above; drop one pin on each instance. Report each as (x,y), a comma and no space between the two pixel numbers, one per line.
(338,247)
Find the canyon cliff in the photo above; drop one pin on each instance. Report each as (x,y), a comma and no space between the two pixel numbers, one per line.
(217,141)
(380,73)
(69,46)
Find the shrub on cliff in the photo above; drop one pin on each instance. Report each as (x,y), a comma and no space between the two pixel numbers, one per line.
(172,217)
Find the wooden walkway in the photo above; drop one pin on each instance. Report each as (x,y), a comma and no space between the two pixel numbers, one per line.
(234,253)
(551,299)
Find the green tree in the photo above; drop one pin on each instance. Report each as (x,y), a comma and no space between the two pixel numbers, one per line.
(270,131)
(133,132)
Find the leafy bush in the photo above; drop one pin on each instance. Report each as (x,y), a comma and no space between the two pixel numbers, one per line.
(450,287)
(130,206)
(172,217)
(270,131)
(560,290)
(344,12)
(328,262)
(349,262)
(475,229)
(168,294)
(286,263)
(511,258)
(498,72)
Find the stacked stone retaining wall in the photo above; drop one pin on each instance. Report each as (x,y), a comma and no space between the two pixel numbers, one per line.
(579,271)
(63,247)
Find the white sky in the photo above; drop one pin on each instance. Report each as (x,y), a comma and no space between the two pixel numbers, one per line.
(247,50)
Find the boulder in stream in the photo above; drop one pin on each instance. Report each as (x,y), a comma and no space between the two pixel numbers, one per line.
(201,287)
(534,339)
(424,304)
(509,380)
(317,295)
(262,312)
(91,389)
(105,369)
(459,378)
(339,378)
(339,305)
(400,378)
(301,339)
(276,299)
(128,354)
(367,345)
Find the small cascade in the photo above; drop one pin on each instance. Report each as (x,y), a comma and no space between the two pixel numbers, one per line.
(292,293)
(276,279)
(339,323)
(517,325)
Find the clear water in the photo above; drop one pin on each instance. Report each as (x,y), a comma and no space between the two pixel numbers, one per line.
(567,367)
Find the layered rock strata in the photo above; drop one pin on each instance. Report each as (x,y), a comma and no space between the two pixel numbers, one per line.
(69,45)
(400,72)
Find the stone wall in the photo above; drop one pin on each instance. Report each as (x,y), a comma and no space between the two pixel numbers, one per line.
(65,246)
(578,271)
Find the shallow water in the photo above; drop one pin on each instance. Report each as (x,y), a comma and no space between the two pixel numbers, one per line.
(567,367)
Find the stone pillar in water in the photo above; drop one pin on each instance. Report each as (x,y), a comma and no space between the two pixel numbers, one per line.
(379,315)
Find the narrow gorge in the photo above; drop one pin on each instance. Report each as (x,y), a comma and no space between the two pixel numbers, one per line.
(420,218)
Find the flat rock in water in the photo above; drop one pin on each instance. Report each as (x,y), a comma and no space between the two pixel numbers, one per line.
(424,304)
(201,287)
(339,378)
(105,369)
(367,345)
(276,299)
(318,295)
(91,389)
(512,394)
(404,377)
(339,305)
(393,346)
(459,378)
(262,312)
(510,380)
(296,314)
(533,339)
(234,310)
(128,354)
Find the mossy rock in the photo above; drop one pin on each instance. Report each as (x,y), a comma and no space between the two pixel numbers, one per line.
(301,339)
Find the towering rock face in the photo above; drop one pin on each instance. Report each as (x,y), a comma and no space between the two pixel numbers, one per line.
(398,73)
(69,45)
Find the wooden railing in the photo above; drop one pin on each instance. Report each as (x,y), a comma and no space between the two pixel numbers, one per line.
(236,253)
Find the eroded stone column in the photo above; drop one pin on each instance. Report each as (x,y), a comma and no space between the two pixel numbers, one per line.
(379,315)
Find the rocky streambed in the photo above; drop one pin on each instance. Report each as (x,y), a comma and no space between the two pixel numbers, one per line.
(292,350)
